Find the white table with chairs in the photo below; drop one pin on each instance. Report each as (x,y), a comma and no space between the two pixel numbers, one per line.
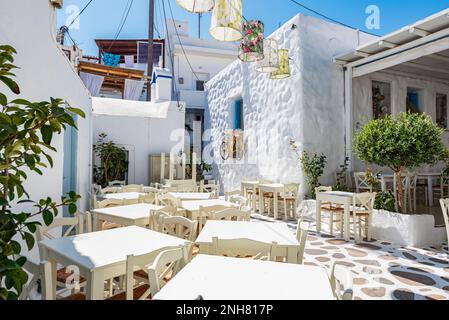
(193,207)
(276,189)
(262,232)
(336,197)
(102,255)
(188,196)
(222,278)
(132,215)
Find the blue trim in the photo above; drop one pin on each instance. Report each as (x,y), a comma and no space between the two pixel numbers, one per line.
(155,76)
(238,112)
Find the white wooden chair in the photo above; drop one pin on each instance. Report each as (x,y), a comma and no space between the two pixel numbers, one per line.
(335,211)
(47,290)
(34,270)
(155,217)
(117,183)
(445,209)
(149,198)
(69,226)
(165,199)
(302,231)
(362,211)
(236,193)
(108,203)
(167,264)
(243,248)
(110,190)
(439,191)
(206,212)
(213,189)
(341,280)
(179,227)
(361,182)
(230,214)
(133,188)
(289,199)
(87,220)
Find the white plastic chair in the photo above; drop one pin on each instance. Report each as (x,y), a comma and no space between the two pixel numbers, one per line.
(132,188)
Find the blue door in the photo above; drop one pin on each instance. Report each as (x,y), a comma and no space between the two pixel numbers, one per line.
(70,163)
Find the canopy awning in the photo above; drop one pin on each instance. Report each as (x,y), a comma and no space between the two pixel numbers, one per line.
(418,33)
(129,108)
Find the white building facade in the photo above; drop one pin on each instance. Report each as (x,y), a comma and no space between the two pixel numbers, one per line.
(195,61)
(46,72)
(307,108)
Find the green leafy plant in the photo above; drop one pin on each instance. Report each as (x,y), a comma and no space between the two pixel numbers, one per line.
(340,184)
(384,201)
(113,162)
(372,178)
(26,133)
(405,141)
(313,167)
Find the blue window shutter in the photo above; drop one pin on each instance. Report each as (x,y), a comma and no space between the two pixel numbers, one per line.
(238,114)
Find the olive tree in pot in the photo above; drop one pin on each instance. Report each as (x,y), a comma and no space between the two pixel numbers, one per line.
(408,140)
(113,159)
(26,134)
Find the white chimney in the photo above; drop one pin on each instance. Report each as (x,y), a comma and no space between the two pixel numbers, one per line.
(161,85)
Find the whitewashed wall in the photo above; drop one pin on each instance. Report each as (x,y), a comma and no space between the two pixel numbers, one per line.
(362,97)
(308,107)
(45,72)
(143,137)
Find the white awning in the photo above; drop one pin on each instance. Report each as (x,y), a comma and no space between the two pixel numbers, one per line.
(129,108)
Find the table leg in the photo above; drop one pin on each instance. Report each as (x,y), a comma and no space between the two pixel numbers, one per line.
(430,191)
(95,287)
(383,184)
(261,206)
(96,223)
(346,223)
(254,200)
(318,216)
(275,199)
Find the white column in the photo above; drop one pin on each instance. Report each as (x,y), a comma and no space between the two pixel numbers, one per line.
(194,166)
(162,167)
(349,116)
(172,166)
(184,160)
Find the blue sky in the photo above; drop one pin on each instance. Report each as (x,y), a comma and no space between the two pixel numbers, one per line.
(102,18)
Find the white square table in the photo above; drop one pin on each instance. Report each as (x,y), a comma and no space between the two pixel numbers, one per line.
(193,207)
(186,196)
(257,231)
(336,197)
(222,278)
(275,188)
(124,195)
(102,255)
(132,215)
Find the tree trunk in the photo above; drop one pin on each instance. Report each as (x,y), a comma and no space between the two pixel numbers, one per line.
(399,189)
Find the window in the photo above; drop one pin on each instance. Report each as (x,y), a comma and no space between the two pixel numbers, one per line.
(441,111)
(381,99)
(238,115)
(414,103)
(200,85)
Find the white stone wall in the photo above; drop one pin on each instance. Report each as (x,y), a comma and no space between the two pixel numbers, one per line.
(45,71)
(143,137)
(308,107)
(362,99)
